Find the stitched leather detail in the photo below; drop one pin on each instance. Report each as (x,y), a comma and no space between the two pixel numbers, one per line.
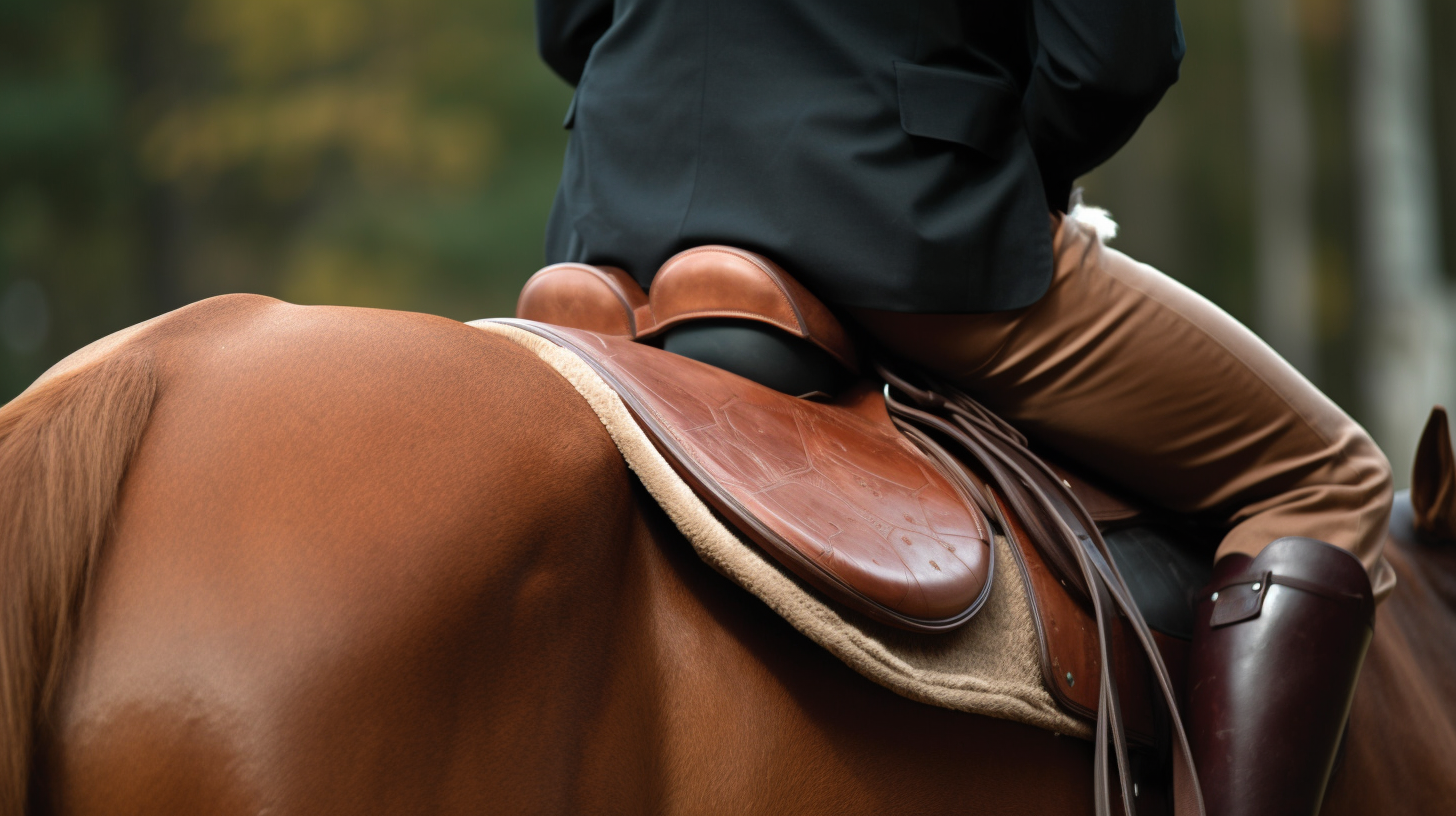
(1268,697)
(1287,562)
(1033,491)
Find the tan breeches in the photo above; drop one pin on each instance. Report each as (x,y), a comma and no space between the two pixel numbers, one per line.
(1142,381)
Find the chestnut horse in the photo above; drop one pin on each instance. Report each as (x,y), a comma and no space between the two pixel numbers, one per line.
(265,558)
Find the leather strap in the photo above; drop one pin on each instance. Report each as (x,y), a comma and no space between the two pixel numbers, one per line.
(1240,597)
(1290,581)
(1070,536)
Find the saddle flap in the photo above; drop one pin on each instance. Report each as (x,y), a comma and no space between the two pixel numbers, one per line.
(831,491)
(1067,640)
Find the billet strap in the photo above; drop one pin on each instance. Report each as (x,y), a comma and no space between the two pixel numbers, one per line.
(1069,536)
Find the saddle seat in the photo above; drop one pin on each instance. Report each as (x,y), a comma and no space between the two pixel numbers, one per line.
(831,488)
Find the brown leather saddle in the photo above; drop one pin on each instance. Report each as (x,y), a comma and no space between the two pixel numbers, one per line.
(854,489)
(827,486)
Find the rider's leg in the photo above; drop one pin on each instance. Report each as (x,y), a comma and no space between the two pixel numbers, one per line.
(1141,380)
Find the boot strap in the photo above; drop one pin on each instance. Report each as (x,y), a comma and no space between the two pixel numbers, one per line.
(1241,597)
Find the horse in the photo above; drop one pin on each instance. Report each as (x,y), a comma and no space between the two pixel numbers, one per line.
(258,557)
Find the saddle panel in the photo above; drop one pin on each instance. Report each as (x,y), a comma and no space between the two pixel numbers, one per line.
(831,490)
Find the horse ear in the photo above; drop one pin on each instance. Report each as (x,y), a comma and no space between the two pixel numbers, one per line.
(1433,482)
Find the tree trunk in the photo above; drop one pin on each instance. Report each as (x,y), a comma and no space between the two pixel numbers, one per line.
(1407,322)
(1283,231)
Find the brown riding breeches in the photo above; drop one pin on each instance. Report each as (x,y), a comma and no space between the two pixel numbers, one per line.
(1142,381)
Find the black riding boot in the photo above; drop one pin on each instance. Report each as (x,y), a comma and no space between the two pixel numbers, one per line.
(1277,647)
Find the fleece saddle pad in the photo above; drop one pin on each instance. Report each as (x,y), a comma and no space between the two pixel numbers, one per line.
(990,666)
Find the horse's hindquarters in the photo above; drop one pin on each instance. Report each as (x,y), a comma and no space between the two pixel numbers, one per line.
(362,561)
(371,562)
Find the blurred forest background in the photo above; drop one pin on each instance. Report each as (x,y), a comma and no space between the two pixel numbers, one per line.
(403,154)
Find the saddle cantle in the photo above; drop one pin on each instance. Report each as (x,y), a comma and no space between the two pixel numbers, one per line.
(706,282)
(829,488)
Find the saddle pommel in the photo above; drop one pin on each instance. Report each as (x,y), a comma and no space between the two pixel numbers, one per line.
(702,283)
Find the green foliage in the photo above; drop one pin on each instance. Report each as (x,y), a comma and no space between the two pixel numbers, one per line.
(403,154)
(387,153)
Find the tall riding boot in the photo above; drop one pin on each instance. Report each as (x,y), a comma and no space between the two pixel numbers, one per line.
(1277,647)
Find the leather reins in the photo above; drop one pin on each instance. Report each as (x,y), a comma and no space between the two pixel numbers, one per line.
(1053,512)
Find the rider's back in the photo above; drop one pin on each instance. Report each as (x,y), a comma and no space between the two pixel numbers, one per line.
(890,155)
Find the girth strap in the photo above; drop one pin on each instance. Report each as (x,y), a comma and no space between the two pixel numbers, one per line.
(1074,546)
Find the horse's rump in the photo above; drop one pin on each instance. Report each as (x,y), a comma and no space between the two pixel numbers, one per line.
(332,516)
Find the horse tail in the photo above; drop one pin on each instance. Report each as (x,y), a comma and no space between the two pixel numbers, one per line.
(64,447)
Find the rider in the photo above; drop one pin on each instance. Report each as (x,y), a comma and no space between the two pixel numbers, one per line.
(900,159)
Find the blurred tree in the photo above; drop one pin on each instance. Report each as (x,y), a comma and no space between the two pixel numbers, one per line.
(1411,336)
(403,153)
(396,153)
(1283,219)
(390,153)
(1439,33)
(67,254)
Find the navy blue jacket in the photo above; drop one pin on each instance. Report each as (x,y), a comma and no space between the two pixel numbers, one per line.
(891,154)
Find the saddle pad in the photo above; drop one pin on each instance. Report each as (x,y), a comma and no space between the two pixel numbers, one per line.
(831,490)
(990,666)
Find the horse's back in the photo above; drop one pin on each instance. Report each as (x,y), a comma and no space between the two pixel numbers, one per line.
(348,541)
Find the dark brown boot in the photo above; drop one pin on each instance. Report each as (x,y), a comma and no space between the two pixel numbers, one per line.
(1277,647)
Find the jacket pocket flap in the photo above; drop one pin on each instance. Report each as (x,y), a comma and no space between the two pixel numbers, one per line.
(956,106)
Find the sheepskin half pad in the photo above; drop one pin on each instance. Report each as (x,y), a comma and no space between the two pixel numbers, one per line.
(990,666)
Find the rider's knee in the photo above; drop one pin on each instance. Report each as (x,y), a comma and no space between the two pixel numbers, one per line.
(1375,476)
(1368,489)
